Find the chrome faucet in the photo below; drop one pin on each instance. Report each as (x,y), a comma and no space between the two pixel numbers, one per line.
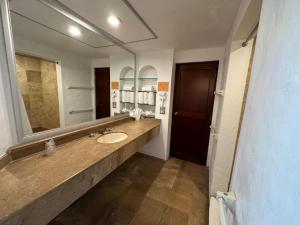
(107,130)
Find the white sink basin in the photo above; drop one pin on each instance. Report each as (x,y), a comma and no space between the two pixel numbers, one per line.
(112,138)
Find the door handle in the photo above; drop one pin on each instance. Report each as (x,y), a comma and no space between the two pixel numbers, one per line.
(176,113)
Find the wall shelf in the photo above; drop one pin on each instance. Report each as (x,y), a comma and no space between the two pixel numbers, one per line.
(147,85)
(127,90)
(147,78)
(127,78)
(148,91)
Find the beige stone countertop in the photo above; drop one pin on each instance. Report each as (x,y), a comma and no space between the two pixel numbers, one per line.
(27,179)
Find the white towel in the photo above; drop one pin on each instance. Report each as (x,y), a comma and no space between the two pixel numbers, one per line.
(128,87)
(146,97)
(148,88)
(124,96)
(127,96)
(151,98)
(141,97)
(131,97)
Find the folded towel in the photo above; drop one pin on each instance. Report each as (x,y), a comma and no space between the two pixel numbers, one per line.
(128,87)
(145,97)
(128,96)
(141,97)
(148,88)
(123,96)
(131,97)
(151,98)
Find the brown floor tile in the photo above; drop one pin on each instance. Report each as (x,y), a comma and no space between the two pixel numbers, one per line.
(169,197)
(173,216)
(167,177)
(194,172)
(144,191)
(173,163)
(151,212)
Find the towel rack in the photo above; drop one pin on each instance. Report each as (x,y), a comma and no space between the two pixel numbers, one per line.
(80,88)
(219,92)
(80,111)
(226,201)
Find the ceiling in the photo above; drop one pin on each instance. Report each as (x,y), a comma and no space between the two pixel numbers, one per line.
(146,25)
(187,24)
(249,21)
(97,11)
(24,29)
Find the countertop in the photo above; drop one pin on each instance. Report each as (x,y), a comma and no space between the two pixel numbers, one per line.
(27,179)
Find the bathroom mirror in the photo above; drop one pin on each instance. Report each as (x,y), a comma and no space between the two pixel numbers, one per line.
(68,70)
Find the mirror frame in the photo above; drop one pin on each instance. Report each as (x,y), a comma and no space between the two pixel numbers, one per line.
(16,119)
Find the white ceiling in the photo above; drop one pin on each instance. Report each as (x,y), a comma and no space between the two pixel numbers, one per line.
(249,21)
(179,24)
(38,12)
(97,11)
(186,24)
(24,29)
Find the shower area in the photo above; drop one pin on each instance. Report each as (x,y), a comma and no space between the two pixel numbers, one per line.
(37,80)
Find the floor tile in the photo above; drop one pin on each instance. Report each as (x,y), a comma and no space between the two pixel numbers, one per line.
(174,216)
(169,197)
(144,191)
(151,212)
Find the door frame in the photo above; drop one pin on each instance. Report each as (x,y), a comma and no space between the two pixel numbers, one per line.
(216,107)
(93,81)
(93,84)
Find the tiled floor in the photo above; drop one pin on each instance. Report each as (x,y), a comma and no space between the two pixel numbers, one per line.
(144,191)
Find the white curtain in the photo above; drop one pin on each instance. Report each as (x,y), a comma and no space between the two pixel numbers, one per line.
(27,129)
(6,137)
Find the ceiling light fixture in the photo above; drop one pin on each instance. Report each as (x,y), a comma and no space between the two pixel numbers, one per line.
(74,31)
(114,21)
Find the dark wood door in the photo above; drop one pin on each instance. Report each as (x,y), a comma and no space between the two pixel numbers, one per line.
(102,85)
(192,110)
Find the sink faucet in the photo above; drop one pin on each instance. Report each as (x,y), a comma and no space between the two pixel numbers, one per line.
(107,130)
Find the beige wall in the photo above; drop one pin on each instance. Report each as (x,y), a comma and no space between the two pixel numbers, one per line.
(38,84)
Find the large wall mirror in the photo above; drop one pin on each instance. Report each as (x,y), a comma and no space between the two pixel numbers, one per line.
(68,70)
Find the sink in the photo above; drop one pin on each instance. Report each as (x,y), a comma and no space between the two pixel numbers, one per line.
(112,138)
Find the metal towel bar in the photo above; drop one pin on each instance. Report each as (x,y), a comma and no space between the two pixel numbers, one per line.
(80,88)
(80,111)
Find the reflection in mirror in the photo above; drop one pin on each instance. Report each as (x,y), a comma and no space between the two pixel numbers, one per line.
(67,74)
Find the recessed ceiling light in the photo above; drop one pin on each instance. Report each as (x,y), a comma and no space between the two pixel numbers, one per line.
(74,31)
(114,21)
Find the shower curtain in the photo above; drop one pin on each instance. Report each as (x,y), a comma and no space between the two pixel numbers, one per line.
(6,132)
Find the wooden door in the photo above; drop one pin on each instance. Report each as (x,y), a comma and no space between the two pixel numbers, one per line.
(102,85)
(192,110)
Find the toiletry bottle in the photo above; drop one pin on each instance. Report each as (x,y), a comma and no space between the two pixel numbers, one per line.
(50,147)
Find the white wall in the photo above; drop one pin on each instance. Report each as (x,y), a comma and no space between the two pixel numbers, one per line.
(232,104)
(100,63)
(76,71)
(163,62)
(199,55)
(266,176)
(218,112)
